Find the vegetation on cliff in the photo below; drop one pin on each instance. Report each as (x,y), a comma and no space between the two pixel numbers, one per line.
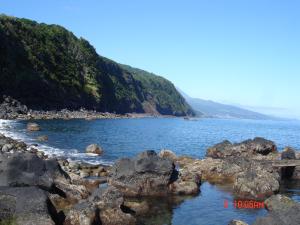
(48,67)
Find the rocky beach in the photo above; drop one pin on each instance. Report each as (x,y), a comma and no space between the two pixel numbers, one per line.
(38,189)
(12,109)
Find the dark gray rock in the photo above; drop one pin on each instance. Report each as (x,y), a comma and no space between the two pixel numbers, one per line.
(27,206)
(260,145)
(147,174)
(288,153)
(27,169)
(11,108)
(246,148)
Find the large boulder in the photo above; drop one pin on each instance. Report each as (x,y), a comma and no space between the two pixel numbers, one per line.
(279,202)
(246,148)
(94,149)
(288,217)
(27,169)
(145,175)
(27,206)
(256,182)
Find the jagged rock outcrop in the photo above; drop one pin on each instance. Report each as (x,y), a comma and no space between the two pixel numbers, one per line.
(27,169)
(256,182)
(11,108)
(246,148)
(150,175)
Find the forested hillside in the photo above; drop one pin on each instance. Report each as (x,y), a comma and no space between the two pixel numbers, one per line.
(48,67)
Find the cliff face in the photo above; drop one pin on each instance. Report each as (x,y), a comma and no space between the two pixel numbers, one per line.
(47,67)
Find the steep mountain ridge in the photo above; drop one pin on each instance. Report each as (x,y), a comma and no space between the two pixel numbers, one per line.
(48,67)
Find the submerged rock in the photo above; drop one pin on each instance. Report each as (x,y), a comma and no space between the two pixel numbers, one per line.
(94,149)
(42,138)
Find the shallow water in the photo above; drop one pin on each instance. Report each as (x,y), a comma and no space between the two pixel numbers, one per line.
(128,137)
(205,209)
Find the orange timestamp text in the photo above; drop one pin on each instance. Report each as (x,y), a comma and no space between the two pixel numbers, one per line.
(246,204)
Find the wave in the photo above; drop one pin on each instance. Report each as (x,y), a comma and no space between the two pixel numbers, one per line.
(9,128)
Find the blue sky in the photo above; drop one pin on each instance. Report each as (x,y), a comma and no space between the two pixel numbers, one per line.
(240,52)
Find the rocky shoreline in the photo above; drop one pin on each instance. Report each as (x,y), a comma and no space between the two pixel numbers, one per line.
(59,191)
(11,109)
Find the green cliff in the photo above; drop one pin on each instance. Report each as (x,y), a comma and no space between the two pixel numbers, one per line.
(48,67)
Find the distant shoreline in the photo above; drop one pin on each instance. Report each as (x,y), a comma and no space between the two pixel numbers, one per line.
(78,114)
